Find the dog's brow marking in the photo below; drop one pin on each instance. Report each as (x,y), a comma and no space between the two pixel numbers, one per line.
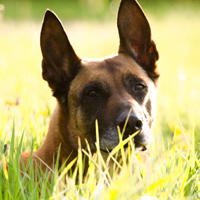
(100,85)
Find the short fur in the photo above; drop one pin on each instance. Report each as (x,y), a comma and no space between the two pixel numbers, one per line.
(103,89)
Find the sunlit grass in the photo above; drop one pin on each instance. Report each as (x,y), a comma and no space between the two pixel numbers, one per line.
(172,172)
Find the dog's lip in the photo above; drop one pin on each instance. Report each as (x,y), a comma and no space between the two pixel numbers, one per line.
(138,147)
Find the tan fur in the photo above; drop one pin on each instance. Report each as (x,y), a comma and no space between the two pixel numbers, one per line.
(112,80)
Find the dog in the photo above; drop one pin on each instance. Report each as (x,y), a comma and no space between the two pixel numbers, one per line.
(99,89)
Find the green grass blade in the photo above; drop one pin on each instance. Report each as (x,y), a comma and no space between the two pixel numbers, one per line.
(190,147)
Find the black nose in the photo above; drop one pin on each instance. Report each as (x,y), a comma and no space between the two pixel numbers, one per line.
(134,123)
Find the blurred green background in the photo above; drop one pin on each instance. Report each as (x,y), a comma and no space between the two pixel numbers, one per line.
(91,27)
(86,9)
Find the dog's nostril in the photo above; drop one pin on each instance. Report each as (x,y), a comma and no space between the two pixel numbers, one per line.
(138,125)
(131,125)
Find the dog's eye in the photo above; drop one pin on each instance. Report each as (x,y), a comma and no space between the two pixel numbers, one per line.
(92,93)
(139,87)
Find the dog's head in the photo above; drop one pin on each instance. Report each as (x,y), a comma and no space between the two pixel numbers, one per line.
(105,89)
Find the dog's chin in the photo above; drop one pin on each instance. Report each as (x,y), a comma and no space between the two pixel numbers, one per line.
(106,150)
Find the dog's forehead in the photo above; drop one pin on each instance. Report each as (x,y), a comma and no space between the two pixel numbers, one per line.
(112,67)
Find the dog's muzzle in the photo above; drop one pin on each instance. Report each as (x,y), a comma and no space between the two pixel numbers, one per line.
(129,126)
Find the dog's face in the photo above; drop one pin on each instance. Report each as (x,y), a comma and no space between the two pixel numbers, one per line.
(106,89)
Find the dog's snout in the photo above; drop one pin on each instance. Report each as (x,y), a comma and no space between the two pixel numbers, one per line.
(131,123)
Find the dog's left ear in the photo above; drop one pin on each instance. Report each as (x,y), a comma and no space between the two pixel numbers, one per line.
(135,36)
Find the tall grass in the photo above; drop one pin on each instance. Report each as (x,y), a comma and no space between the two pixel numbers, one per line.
(171,172)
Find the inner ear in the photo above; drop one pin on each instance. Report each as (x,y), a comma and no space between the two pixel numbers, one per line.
(135,35)
(134,29)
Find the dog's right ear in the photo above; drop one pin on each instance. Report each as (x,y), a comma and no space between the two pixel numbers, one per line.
(59,59)
(135,36)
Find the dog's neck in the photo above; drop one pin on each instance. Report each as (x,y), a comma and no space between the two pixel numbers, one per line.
(55,140)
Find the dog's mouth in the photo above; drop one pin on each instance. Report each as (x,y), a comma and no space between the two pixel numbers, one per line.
(138,147)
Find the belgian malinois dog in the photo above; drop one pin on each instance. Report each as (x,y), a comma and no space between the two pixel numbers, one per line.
(101,89)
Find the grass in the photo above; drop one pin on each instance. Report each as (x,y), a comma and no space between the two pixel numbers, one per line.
(173,169)
(171,174)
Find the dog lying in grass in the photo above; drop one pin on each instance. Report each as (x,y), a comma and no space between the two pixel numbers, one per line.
(117,91)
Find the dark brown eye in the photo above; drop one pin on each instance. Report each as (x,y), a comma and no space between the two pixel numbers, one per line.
(139,87)
(92,93)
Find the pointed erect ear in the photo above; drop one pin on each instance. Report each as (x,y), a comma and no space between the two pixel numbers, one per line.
(135,36)
(59,59)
